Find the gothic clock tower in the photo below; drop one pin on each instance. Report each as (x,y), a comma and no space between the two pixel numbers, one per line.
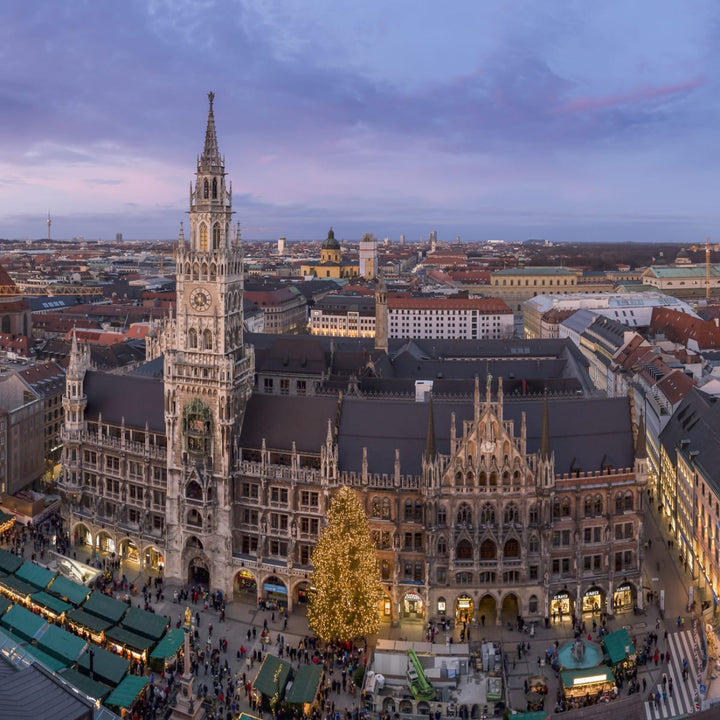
(208,376)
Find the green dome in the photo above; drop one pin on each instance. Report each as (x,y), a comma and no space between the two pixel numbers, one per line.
(331,243)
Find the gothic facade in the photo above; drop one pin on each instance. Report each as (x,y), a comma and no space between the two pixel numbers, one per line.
(481,506)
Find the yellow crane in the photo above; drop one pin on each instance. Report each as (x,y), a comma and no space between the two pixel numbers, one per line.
(706,247)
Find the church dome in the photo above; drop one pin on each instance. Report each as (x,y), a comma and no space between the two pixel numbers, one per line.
(331,243)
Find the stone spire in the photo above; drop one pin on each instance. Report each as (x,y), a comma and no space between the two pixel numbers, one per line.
(210,158)
(430,446)
(545,434)
(640,441)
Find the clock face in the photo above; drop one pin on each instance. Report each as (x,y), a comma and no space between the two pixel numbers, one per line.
(200,299)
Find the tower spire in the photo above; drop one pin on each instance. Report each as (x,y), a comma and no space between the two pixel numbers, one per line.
(430,446)
(210,158)
(545,434)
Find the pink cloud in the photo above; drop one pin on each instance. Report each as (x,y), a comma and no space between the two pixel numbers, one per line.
(588,104)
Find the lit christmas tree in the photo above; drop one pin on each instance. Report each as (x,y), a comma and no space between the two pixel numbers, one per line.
(347,585)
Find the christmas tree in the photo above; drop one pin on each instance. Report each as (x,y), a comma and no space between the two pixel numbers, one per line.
(347,585)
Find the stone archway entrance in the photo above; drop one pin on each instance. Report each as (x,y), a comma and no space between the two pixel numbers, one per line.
(593,601)
(275,594)
(464,609)
(487,608)
(245,584)
(198,572)
(302,592)
(82,536)
(129,551)
(104,543)
(510,610)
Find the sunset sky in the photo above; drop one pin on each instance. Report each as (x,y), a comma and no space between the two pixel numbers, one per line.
(507,120)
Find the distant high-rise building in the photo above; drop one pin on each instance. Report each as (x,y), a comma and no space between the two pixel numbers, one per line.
(368,256)
(433,241)
(402,239)
(49,222)
(118,237)
(281,246)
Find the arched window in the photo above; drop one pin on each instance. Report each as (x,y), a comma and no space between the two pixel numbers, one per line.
(565,508)
(511,514)
(516,477)
(206,189)
(216,236)
(511,549)
(193,491)
(214,190)
(487,514)
(207,340)
(470,480)
(419,511)
(408,510)
(375,507)
(385,509)
(619,503)
(506,478)
(194,518)
(533,604)
(441,546)
(203,237)
(192,338)
(588,506)
(556,508)
(464,550)
(464,515)
(629,501)
(534,544)
(598,505)
(488,551)
(493,479)
(441,515)
(482,479)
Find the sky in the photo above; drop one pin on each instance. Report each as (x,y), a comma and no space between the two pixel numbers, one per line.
(568,121)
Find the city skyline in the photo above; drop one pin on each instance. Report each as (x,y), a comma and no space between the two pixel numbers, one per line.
(493,120)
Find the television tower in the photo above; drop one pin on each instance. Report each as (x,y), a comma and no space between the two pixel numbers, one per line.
(49,222)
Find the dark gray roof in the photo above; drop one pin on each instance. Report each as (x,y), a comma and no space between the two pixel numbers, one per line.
(585,434)
(136,398)
(284,419)
(299,355)
(152,368)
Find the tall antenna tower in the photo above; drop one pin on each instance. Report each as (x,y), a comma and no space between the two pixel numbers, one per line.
(49,222)
(707,268)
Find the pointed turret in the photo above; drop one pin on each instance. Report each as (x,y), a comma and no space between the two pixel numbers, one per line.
(430,446)
(381,315)
(210,157)
(181,236)
(545,434)
(640,440)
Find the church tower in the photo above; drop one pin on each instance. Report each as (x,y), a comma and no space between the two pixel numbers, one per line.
(208,376)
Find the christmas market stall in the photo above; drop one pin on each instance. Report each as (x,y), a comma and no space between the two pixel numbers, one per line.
(127,643)
(92,688)
(304,688)
(38,576)
(48,605)
(87,625)
(165,655)
(61,644)
(126,694)
(6,522)
(9,563)
(269,685)
(69,591)
(620,651)
(105,666)
(22,623)
(587,687)
(16,589)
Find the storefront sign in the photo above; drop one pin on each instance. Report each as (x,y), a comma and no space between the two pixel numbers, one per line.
(464,602)
(414,597)
(561,596)
(589,680)
(280,589)
(441,606)
(592,592)
(624,588)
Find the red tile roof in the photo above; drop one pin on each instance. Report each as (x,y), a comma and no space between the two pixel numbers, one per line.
(681,328)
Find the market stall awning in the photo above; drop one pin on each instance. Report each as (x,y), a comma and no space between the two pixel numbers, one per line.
(35,574)
(89,621)
(9,563)
(6,521)
(50,602)
(124,695)
(589,676)
(145,623)
(618,646)
(11,585)
(272,676)
(92,688)
(170,644)
(49,661)
(305,685)
(22,622)
(107,666)
(61,644)
(65,589)
(4,604)
(105,607)
(128,639)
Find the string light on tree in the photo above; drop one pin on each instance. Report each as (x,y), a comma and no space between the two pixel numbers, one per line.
(346,580)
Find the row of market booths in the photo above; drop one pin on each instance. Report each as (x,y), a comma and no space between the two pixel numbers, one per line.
(278,685)
(88,638)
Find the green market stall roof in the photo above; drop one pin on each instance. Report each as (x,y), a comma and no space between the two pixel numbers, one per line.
(35,574)
(6,521)
(49,661)
(305,685)
(22,622)
(126,638)
(145,623)
(125,694)
(89,621)
(91,688)
(68,590)
(170,644)
(16,586)
(50,602)
(61,644)
(272,676)
(9,563)
(618,646)
(107,665)
(105,607)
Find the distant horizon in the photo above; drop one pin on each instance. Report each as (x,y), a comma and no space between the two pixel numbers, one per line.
(575,122)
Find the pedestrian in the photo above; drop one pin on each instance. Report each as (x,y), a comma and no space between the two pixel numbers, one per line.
(644,684)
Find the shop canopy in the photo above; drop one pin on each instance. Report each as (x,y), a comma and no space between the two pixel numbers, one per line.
(618,646)
(6,521)
(35,574)
(145,623)
(534,715)
(305,685)
(91,688)
(9,563)
(68,590)
(170,644)
(107,666)
(11,585)
(86,620)
(125,694)
(272,676)
(50,602)
(22,622)
(589,676)
(131,640)
(105,607)
(61,644)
